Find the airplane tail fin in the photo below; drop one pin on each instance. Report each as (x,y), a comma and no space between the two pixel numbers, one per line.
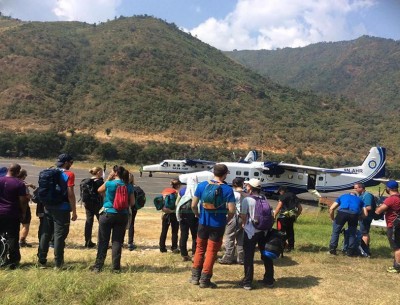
(373,165)
(251,156)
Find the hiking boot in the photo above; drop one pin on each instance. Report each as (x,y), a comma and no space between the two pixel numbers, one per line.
(131,247)
(195,278)
(205,281)
(95,269)
(267,283)
(90,244)
(24,244)
(163,250)
(225,262)
(186,258)
(175,251)
(332,252)
(392,270)
(247,287)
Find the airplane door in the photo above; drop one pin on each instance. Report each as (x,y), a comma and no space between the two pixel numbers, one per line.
(311,180)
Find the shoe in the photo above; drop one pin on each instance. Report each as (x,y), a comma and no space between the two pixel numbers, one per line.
(131,247)
(163,250)
(392,270)
(268,284)
(332,252)
(224,262)
(186,258)
(51,245)
(241,263)
(205,281)
(175,251)
(41,265)
(95,269)
(116,271)
(247,287)
(24,244)
(90,244)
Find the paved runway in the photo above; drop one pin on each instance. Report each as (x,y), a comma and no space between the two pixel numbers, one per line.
(151,185)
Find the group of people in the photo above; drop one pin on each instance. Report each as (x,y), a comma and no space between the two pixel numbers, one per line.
(359,209)
(233,218)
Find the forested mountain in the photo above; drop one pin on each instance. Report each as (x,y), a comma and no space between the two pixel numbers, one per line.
(145,79)
(366,70)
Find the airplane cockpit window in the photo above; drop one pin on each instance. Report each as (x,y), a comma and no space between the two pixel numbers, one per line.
(238,173)
(246,173)
(164,164)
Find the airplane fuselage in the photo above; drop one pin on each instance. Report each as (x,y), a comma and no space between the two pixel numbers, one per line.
(176,166)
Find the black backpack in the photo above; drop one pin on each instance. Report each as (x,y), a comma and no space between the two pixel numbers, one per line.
(88,192)
(52,189)
(140,197)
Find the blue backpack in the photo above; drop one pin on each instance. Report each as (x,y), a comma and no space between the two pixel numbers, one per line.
(211,197)
(170,201)
(52,188)
(263,219)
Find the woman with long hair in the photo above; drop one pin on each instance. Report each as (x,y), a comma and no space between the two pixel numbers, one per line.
(112,219)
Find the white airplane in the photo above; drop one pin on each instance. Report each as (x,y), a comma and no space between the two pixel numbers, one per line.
(302,178)
(189,166)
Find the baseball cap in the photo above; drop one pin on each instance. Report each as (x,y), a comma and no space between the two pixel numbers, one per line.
(392,184)
(63,158)
(254,183)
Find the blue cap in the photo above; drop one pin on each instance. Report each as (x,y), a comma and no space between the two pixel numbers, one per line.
(3,171)
(392,184)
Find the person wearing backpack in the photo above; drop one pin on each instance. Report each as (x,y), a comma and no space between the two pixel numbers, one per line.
(92,201)
(113,218)
(234,229)
(214,204)
(56,191)
(257,221)
(391,208)
(169,217)
(286,213)
(370,205)
(13,202)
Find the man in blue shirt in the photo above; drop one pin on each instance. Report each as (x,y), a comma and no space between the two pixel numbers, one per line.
(212,222)
(350,208)
(369,204)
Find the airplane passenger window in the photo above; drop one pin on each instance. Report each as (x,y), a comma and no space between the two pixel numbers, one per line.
(300,176)
(256,174)
(290,176)
(179,165)
(238,173)
(320,178)
(246,173)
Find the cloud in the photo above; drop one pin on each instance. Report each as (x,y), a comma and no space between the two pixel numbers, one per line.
(271,24)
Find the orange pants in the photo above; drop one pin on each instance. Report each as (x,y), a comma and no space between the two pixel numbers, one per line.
(206,254)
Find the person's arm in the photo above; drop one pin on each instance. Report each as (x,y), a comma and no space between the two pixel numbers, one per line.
(381,209)
(23,204)
(195,209)
(332,210)
(231,210)
(278,209)
(72,202)
(299,207)
(365,212)
(131,200)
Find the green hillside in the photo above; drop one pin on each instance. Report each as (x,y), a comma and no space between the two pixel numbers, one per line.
(366,70)
(145,79)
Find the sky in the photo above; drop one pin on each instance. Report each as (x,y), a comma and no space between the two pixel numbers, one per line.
(234,24)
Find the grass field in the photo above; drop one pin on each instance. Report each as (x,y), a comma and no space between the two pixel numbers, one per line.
(307,275)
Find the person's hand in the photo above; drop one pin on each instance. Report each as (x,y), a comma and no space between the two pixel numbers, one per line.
(74,216)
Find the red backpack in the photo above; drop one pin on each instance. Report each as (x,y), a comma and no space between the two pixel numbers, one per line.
(121,199)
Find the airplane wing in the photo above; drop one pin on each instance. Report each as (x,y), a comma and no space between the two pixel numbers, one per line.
(190,162)
(283,165)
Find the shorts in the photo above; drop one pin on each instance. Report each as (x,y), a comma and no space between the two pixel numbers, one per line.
(394,237)
(28,216)
(365,225)
(212,233)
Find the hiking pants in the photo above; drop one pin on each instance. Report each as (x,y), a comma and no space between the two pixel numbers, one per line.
(54,222)
(167,220)
(340,220)
(286,224)
(115,224)
(209,242)
(10,226)
(90,214)
(131,230)
(188,222)
(249,246)
(234,240)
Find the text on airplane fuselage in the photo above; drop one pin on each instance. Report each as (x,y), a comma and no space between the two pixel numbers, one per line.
(354,170)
